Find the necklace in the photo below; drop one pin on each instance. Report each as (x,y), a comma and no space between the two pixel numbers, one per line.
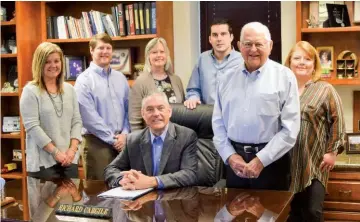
(58,111)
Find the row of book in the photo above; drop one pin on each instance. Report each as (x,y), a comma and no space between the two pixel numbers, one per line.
(130,19)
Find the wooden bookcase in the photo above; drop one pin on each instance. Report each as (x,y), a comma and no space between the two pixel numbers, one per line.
(80,47)
(25,27)
(341,38)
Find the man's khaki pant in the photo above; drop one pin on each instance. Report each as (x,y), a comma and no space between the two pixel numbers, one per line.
(96,156)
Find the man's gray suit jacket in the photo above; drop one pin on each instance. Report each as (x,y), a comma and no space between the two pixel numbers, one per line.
(178,164)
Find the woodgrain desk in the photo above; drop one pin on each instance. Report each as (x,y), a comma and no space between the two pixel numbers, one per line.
(184,204)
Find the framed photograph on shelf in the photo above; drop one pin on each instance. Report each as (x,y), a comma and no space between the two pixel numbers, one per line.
(121,61)
(17,155)
(322,11)
(338,15)
(11,124)
(353,143)
(326,54)
(74,65)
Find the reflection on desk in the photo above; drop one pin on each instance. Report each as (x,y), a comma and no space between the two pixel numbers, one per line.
(183,204)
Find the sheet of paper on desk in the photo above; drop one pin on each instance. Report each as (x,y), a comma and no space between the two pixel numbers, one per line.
(119,192)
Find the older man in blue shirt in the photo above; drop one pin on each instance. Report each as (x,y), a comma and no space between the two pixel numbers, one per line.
(256,116)
(103,100)
(212,65)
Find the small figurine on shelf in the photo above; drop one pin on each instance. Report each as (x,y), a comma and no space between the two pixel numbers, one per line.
(139,67)
(7,88)
(3,14)
(17,155)
(3,49)
(312,22)
(11,45)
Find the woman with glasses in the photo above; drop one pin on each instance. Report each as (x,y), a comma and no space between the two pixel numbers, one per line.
(157,76)
(321,135)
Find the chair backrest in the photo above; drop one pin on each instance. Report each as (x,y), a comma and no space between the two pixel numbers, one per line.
(210,165)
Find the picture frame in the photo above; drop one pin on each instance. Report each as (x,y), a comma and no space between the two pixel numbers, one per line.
(17,155)
(353,143)
(74,66)
(327,57)
(356,12)
(322,15)
(122,60)
(338,15)
(11,124)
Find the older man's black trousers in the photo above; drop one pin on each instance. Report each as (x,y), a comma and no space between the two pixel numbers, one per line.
(276,176)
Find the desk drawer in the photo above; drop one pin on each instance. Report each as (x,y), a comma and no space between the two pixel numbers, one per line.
(343,191)
(342,206)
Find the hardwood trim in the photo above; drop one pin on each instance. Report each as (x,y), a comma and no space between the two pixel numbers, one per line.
(4,56)
(164,24)
(116,38)
(8,23)
(25,200)
(335,29)
(344,176)
(298,20)
(10,136)
(9,94)
(12,175)
(43,20)
(355,81)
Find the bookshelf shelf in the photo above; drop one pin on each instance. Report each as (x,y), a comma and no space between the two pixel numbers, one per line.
(10,136)
(326,30)
(8,23)
(9,94)
(340,38)
(117,38)
(4,56)
(355,81)
(12,175)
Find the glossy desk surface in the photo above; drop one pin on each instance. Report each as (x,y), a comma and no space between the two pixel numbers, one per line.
(184,204)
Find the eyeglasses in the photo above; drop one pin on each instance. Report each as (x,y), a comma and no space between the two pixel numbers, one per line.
(258,45)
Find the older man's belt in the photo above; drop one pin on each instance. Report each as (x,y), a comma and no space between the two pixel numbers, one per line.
(248,147)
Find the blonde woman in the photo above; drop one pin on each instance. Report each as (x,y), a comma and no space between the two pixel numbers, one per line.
(157,76)
(51,117)
(321,135)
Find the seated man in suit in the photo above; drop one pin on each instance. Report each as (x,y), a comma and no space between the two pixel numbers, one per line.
(163,155)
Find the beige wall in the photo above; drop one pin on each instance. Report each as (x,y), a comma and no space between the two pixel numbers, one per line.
(187,45)
(186,38)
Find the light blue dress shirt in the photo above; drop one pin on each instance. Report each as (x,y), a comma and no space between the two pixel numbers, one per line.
(258,107)
(157,144)
(205,75)
(103,102)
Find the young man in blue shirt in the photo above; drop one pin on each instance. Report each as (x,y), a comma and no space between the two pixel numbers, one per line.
(211,65)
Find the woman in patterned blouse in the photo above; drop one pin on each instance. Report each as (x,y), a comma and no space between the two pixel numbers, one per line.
(321,135)
(157,76)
